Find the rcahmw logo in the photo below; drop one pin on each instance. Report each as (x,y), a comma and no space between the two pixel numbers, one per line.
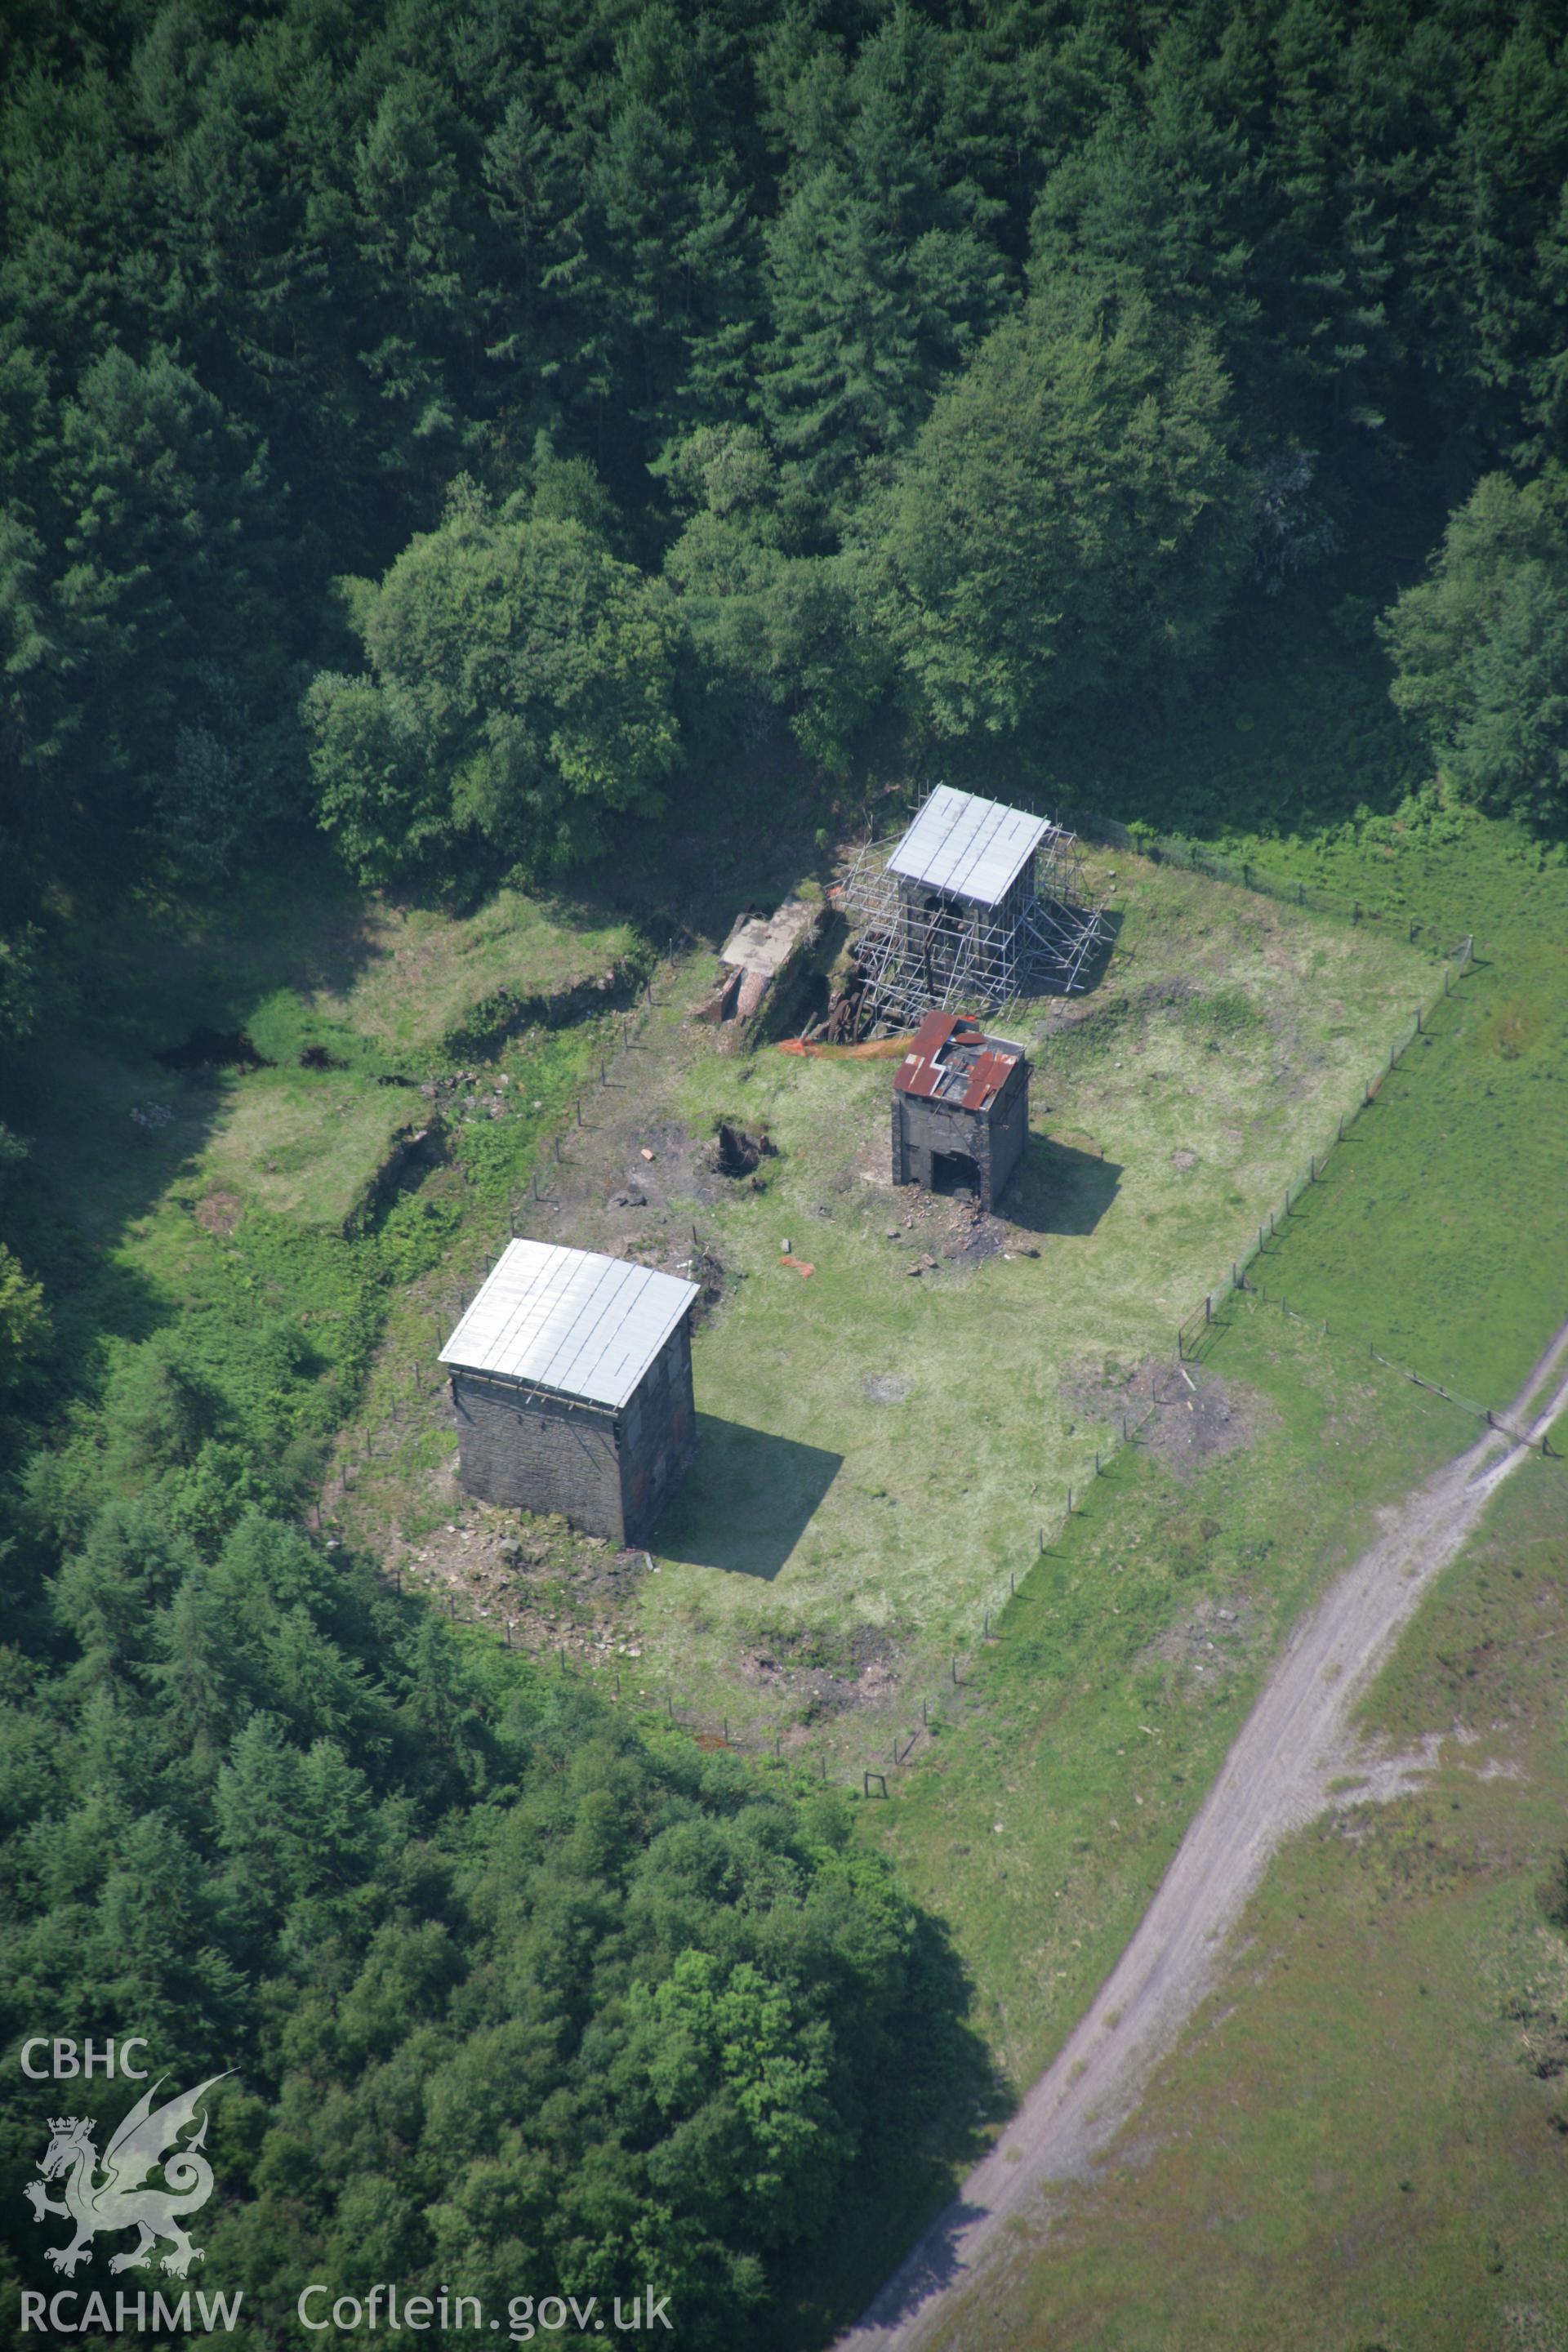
(103,2194)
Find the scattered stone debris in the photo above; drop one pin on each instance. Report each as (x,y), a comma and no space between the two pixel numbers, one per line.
(979,1235)
(554,1589)
(1197,1424)
(888,1388)
(1208,1641)
(151,1116)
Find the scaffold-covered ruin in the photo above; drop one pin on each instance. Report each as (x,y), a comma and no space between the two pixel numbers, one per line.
(973,905)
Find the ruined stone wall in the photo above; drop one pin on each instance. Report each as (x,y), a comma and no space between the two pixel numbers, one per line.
(1009,1125)
(922,1129)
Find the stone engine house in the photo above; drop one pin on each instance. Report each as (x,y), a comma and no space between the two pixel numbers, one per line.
(571,1381)
(960,1109)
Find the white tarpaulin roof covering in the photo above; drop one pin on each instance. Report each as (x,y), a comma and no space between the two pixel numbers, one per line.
(974,848)
(569,1320)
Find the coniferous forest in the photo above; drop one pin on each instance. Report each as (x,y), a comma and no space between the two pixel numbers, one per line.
(472,437)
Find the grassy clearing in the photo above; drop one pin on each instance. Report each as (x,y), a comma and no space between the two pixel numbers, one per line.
(218,1197)
(880,1450)
(424,971)
(297,966)
(1439,1230)
(1398,2014)
(1363,2142)
(1062,1777)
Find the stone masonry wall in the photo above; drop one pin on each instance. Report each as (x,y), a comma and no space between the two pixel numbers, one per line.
(922,1128)
(609,1474)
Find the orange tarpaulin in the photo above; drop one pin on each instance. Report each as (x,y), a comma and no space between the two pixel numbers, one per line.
(878,1049)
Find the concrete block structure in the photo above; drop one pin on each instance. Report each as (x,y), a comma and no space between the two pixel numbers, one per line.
(571,1381)
(960,1109)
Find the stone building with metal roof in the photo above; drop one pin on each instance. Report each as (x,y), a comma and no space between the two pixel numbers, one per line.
(960,1109)
(571,1382)
(976,903)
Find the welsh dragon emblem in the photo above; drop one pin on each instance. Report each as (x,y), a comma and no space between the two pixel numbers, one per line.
(107,2193)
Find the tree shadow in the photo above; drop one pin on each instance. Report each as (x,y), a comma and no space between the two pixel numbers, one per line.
(1059,1188)
(938,2095)
(113,1131)
(747,1499)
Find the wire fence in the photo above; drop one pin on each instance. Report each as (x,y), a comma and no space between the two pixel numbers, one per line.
(1191,1330)
(891,1724)
(1245,874)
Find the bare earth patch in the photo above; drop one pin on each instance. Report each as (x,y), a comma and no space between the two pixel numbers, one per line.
(218,1213)
(1201,1417)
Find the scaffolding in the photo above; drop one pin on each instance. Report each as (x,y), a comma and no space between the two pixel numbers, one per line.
(927,942)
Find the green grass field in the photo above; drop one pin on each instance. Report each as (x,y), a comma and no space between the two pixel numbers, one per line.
(879,1451)
(1364,2140)
(1361,2145)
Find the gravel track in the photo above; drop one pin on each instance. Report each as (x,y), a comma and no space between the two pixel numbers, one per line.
(1297,1739)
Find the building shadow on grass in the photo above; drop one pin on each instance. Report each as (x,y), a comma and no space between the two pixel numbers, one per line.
(1059,1188)
(1096,963)
(746,1500)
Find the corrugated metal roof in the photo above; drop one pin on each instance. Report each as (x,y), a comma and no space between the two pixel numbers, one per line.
(988,1074)
(570,1321)
(921,1071)
(976,849)
(950,1056)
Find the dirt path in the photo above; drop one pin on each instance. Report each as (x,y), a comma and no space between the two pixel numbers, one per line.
(1276,1777)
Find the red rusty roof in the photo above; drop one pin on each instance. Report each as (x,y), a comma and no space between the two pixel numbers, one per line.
(987,1077)
(946,1049)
